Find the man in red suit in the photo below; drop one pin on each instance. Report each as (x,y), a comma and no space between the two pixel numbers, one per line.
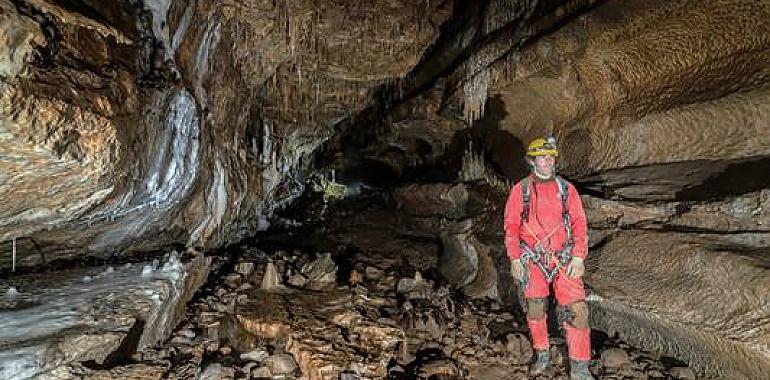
(546,240)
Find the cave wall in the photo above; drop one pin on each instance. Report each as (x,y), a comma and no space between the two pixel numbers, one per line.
(130,126)
(660,110)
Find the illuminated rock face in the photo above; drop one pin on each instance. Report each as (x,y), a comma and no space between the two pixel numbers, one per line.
(131,126)
(102,314)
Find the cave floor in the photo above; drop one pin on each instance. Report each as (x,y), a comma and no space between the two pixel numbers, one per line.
(281,309)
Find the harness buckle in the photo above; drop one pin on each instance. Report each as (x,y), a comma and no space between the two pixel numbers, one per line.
(543,260)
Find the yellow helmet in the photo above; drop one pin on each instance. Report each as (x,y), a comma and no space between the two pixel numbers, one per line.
(542,146)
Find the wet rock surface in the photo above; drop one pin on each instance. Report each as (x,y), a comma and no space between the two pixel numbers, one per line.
(96,315)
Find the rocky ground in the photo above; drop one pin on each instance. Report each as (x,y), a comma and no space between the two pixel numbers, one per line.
(337,315)
(397,285)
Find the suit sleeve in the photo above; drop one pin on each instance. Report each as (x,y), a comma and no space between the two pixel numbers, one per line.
(579,223)
(512,222)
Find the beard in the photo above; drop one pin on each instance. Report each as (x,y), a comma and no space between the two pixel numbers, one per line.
(547,175)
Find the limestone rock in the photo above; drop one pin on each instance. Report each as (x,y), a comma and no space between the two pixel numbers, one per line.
(439,368)
(216,372)
(372,273)
(297,280)
(615,358)
(48,332)
(415,288)
(321,272)
(520,348)
(683,373)
(245,268)
(254,356)
(271,279)
(281,364)
(261,373)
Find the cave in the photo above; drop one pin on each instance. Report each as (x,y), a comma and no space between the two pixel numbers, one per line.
(315,189)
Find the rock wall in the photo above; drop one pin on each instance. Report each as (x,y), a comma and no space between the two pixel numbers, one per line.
(649,106)
(131,126)
(660,112)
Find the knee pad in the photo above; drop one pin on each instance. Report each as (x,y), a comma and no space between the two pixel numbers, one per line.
(580,314)
(536,308)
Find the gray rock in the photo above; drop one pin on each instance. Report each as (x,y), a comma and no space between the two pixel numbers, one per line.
(261,373)
(245,268)
(321,272)
(212,372)
(373,273)
(684,373)
(248,367)
(615,358)
(45,334)
(181,340)
(405,285)
(297,280)
(281,364)
(255,356)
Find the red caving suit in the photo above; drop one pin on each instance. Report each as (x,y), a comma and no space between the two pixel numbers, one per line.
(546,222)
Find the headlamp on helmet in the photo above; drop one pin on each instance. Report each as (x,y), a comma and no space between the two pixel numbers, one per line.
(542,147)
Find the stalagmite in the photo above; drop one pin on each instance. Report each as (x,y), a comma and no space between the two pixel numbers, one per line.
(271,280)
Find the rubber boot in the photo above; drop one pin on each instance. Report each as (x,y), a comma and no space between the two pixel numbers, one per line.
(579,371)
(542,363)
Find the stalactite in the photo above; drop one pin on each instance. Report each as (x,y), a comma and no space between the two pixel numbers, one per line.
(475,168)
(502,12)
(475,93)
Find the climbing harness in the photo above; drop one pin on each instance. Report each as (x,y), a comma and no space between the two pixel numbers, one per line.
(538,255)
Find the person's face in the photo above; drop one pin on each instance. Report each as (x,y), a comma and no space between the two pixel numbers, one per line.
(545,164)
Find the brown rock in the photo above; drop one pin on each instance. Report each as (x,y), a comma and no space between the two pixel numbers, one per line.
(439,368)
(281,364)
(261,373)
(615,358)
(684,373)
(356,277)
(373,273)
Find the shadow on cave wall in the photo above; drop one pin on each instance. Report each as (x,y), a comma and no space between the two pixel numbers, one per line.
(503,151)
(746,176)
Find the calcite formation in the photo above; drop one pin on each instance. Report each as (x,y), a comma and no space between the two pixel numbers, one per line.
(134,126)
(101,315)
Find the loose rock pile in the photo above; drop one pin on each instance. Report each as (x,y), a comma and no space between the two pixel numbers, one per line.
(291,315)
